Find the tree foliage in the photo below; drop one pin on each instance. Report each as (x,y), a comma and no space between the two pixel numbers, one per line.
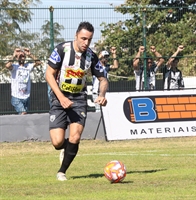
(164,24)
(13,15)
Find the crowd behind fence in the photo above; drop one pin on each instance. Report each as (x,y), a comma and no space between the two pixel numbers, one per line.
(68,19)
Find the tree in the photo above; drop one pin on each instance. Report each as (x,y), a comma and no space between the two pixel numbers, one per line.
(165,24)
(42,47)
(12,15)
(15,14)
(45,41)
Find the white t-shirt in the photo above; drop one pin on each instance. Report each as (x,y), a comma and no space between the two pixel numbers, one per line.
(20,80)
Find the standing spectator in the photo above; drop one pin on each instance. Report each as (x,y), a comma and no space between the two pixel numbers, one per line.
(151,69)
(172,76)
(20,79)
(103,63)
(66,74)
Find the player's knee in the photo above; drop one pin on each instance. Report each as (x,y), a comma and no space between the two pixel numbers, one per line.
(75,138)
(57,143)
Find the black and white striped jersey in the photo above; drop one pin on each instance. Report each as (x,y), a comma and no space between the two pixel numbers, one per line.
(73,67)
(150,79)
(172,79)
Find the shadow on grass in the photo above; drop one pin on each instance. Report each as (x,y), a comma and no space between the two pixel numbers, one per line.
(128,172)
(146,171)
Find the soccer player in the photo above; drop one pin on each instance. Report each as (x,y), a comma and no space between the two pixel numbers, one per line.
(66,74)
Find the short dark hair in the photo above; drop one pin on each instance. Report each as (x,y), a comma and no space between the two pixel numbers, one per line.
(85,25)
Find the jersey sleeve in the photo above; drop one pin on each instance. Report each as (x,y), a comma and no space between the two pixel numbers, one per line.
(56,58)
(96,69)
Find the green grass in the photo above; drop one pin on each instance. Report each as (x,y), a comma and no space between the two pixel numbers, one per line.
(157,169)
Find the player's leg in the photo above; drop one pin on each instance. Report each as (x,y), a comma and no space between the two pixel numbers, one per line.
(57,137)
(72,146)
(77,118)
(59,142)
(57,125)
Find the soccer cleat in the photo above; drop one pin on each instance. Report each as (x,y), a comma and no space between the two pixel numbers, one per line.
(61,176)
(61,156)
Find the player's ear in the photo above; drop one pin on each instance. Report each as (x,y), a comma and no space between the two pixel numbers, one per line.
(75,37)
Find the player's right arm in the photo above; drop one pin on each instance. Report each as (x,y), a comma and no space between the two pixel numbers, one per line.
(54,65)
(136,60)
(50,78)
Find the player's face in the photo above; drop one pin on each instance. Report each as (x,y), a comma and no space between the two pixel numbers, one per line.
(83,40)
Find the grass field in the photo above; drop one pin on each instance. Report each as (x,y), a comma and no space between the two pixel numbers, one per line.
(157,169)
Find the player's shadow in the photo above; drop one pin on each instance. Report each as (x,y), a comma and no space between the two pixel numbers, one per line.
(128,172)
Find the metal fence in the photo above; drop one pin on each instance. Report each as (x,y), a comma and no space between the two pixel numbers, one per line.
(49,26)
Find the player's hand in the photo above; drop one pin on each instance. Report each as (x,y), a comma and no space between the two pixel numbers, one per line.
(102,101)
(65,102)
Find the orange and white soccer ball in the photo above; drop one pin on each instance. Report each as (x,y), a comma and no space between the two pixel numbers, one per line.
(115,171)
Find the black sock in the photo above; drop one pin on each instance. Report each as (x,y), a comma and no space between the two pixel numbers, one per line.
(64,145)
(69,155)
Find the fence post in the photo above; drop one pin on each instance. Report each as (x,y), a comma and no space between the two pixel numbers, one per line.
(51,9)
(144,44)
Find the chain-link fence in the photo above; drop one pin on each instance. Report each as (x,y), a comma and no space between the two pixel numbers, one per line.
(40,29)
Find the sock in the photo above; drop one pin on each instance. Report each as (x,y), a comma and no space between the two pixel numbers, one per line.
(69,155)
(64,145)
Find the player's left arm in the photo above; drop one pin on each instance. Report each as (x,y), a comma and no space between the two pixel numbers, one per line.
(103,87)
(103,82)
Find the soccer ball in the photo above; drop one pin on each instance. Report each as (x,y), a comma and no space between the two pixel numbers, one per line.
(115,171)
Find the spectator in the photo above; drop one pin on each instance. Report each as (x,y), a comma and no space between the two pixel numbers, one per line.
(103,63)
(66,74)
(20,79)
(172,76)
(151,69)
